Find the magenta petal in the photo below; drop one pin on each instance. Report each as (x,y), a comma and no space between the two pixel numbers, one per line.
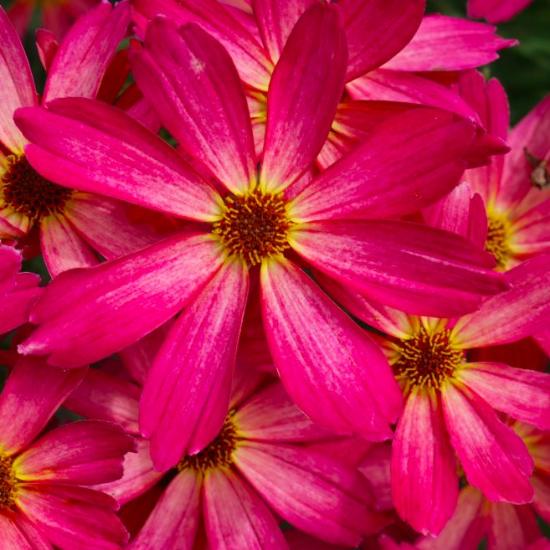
(139,475)
(62,247)
(450,44)
(186,396)
(270,415)
(174,521)
(305,89)
(124,152)
(423,468)
(496,11)
(10,264)
(512,526)
(235,517)
(15,306)
(73,518)
(83,55)
(276,20)
(193,85)
(510,316)
(495,459)
(42,390)
(314,493)
(412,160)
(249,57)
(389,26)
(17,88)
(17,533)
(330,367)
(88,452)
(523,394)
(425,271)
(123,300)
(102,396)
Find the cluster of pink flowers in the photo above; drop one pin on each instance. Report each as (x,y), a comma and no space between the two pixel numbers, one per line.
(296,292)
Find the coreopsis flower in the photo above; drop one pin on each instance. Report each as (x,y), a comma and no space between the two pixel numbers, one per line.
(44,498)
(54,15)
(449,400)
(71,224)
(18,291)
(496,11)
(258,457)
(326,362)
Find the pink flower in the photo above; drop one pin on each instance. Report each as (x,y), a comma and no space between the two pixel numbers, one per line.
(258,458)
(265,222)
(449,400)
(18,291)
(72,224)
(43,498)
(496,11)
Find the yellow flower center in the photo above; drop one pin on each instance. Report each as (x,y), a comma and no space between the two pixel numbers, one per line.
(7,482)
(254,226)
(26,192)
(427,359)
(218,454)
(498,239)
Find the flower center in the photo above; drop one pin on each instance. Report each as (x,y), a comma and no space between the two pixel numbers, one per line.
(498,239)
(254,226)
(428,359)
(24,190)
(7,482)
(218,454)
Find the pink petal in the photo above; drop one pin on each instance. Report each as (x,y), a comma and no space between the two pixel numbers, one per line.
(174,521)
(389,26)
(122,299)
(106,225)
(525,308)
(19,534)
(423,468)
(465,529)
(326,362)
(376,468)
(449,44)
(312,492)
(270,415)
(73,518)
(82,453)
(139,475)
(47,46)
(530,231)
(425,271)
(495,459)
(186,396)
(405,87)
(17,84)
(10,264)
(94,147)
(304,92)
(15,307)
(523,394)
(101,396)
(276,20)
(62,247)
(512,526)
(193,85)
(31,396)
(496,11)
(235,517)
(249,57)
(83,55)
(411,161)
(541,502)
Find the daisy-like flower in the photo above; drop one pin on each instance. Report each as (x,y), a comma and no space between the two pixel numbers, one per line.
(43,495)
(449,401)
(496,11)
(18,291)
(55,15)
(260,456)
(71,224)
(327,363)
